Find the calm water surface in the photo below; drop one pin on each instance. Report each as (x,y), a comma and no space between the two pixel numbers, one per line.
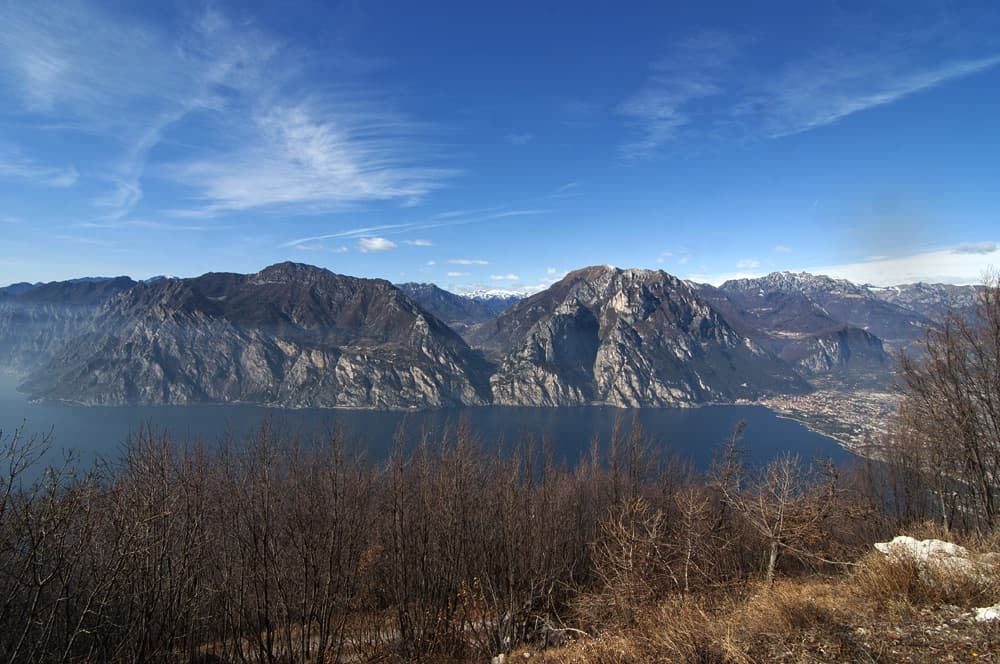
(692,433)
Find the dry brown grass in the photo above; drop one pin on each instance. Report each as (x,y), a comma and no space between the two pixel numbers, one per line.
(787,618)
(892,581)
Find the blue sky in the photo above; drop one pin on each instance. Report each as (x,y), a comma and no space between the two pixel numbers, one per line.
(500,145)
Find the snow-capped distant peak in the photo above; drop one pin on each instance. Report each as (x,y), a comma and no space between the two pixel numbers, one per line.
(496,293)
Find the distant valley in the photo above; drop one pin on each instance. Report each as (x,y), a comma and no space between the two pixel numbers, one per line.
(300,336)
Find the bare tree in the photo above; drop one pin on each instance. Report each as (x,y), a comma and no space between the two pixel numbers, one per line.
(783,503)
(951,410)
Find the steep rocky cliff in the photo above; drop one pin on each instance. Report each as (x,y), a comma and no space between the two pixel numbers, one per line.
(628,338)
(290,335)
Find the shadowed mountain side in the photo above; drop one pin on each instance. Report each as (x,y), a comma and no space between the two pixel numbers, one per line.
(290,335)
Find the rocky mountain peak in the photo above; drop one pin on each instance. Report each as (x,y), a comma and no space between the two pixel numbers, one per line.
(801,282)
(289,272)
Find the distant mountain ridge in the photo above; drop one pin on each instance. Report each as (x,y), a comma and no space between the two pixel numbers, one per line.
(849,303)
(297,335)
(461,312)
(784,319)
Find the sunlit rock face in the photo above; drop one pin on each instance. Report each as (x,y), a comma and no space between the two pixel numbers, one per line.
(626,338)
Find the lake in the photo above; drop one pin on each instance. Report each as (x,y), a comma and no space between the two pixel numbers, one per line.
(692,433)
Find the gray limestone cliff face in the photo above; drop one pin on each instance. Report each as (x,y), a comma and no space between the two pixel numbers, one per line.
(626,338)
(844,349)
(290,335)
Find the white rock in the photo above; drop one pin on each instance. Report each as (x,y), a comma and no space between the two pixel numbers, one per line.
(922,550)
(988,613)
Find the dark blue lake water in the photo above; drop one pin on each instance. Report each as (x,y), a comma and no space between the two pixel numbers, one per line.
(691,433)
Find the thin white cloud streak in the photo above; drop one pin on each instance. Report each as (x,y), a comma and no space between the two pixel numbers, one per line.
(468,261)
(504,277)
(13,165)
(747,264)
(452,214)
(348,234)
(145,224)
(419,243)
(519,139)
(369,244)
(782,249)
(458,274)
(704,89)
(395,229)
(76,239)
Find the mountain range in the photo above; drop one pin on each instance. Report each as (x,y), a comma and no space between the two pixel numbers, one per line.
(300,336)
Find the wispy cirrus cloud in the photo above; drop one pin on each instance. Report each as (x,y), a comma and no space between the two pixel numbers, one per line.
(504,277)
(316,156)
(747,264)
(664,105)
(14,165)
(272,139)
(468,261)
(716,87)
(75,67)
(419,243)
